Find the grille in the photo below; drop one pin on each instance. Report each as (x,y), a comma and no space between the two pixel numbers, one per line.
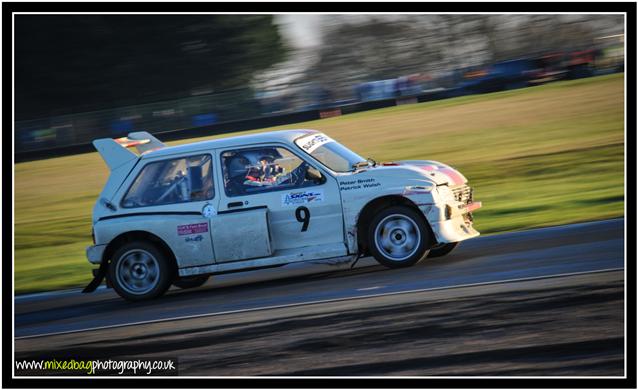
(463,194)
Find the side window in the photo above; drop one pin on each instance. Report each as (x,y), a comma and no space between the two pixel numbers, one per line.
(263,169)
(172,181)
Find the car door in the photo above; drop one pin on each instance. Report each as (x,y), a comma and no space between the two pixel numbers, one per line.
(300,213)
(168,197)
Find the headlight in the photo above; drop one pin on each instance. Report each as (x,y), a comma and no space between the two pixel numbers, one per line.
(424,188)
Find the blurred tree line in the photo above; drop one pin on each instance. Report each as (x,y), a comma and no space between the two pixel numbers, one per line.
(357,48)
(75,63)
(79,63)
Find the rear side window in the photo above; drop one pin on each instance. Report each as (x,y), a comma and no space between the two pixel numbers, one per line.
(178,180)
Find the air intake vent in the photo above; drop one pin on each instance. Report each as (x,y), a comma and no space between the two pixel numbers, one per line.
(463,194)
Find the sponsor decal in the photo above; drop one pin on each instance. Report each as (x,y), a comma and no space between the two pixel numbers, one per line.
(301,197)
(209,211)
(196,238)
(193,228)
(358,184)
(330,113)
(310,143)
(412,100)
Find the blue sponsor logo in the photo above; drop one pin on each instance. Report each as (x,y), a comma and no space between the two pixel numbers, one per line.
(302,197)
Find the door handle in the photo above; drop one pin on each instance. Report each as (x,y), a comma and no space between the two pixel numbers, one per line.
(235,204)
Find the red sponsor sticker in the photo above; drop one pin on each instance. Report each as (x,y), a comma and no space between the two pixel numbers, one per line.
(330,113)
(192,228)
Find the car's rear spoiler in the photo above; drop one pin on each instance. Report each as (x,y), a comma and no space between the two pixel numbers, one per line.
(115,151)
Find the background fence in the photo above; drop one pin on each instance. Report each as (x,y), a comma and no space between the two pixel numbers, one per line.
(210,115)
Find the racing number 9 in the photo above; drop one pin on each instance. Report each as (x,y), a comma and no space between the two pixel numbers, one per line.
(303,215)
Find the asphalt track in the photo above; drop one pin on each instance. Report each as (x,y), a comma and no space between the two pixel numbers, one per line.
(551,251)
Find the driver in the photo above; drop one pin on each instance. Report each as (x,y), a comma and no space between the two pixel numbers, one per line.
(265,171)
(237,167)
(258,168)
(269,171)
(253,169)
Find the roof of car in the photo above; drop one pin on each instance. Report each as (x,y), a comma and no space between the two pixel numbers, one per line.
(286,136)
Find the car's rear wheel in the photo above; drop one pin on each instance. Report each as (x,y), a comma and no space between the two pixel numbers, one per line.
(190,281)
(398,237)
(139,271)
(442,249)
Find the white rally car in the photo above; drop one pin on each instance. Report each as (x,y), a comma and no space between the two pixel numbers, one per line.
(176,215)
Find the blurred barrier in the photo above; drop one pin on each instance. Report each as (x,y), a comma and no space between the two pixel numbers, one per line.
(63,131)
(172,135)
(185,118)
(163,134)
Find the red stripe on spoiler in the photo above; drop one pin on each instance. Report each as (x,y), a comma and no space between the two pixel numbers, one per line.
(127,143)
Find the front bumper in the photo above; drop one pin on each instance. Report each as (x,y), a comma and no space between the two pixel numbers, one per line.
(451,222)
(453,230)
(94,253)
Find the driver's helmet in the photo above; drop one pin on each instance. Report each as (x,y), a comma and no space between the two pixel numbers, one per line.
(237,166)
(257,155)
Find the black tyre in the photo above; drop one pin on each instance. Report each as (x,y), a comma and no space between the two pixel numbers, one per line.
(190,281)
(399,237)
(140,271)
(443,249)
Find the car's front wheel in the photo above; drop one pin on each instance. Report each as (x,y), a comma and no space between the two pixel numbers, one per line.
(399,237)
(139,271)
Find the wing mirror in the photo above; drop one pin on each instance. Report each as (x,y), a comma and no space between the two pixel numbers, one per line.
(314,175)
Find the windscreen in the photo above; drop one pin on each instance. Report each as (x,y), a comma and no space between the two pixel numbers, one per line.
(329,152)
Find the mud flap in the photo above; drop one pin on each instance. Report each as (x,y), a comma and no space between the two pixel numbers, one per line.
(360,255)
(98,275)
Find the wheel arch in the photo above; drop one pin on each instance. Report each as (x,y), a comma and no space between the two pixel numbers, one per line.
(374,206)
(139,235)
